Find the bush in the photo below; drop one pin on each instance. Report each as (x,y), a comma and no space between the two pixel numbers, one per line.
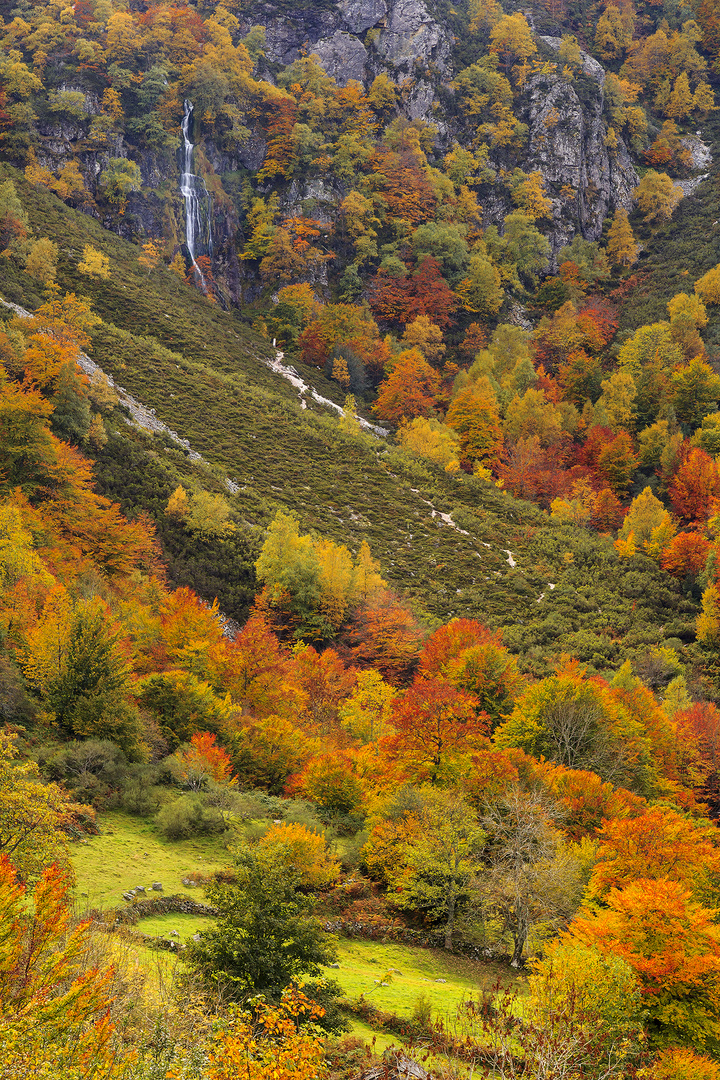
(190,816)
(94,770)
(140,798)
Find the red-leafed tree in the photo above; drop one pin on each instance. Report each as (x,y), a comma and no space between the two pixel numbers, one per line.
(425,292)
(435,725)
(204,760)
(695,486)
(384,635)
(531,472)
(686,554)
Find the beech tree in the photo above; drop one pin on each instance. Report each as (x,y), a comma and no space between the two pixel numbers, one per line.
(438,863)
(409,390)
(533,882)
(673,946)
(435,725)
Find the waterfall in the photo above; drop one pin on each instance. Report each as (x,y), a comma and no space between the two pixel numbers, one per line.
(198,203)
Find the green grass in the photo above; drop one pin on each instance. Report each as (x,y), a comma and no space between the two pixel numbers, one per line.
(131,851)
(378,1040)
(415,973)
(186,925)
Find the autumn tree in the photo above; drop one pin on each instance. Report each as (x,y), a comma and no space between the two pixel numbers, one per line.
(533,879)
(621,248)
(695,392)
(41,260)
(657,197)
(432,440)
(299,848)
(672,944)
(273,1041)
(424,335)
(332,783)
(708,286)
(366,712)
(577,723)
(203,760)
(511,39)
(33,816)
(435,726)
(473,415)
(150,257)
(434,868)
(695,486)
(686,554)
(55,1000)
(410,388)
(660,843)
(94,263)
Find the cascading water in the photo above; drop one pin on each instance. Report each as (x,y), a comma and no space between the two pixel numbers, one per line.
(198,205)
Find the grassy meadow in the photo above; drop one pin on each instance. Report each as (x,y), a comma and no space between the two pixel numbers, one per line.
(131,851)
(417,977)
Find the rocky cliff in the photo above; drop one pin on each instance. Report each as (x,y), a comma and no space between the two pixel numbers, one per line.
(358,39)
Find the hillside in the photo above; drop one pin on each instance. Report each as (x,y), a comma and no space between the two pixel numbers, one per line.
(359,539)
(201,370)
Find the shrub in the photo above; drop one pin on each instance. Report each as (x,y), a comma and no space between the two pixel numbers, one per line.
(94,770)
(190,816)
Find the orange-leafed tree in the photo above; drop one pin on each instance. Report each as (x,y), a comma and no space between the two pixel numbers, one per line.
(672,944)
(384,634)
(258,670)
(398,299)
(660,843)
(409,390)
(686,554)
(325,682)
(296,846)
(204,760)
(473,415)
(474,660)
(588,802)
(54,1002)
(273,1042)
(695,486)
(449,642)
(435,727)
(267,751)
(404,187)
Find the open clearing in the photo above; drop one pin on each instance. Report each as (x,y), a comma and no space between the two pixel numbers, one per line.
(131,851)
(415,974)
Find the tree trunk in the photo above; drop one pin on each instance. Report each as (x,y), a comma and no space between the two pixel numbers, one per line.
(450,924)
(519,938)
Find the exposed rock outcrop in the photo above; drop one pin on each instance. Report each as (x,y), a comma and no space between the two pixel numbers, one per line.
(585,179)
(360,38)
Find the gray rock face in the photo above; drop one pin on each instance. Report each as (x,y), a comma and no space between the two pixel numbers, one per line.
(584,178)
(412,38)
(362,15)
(343,56)
(408,44)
